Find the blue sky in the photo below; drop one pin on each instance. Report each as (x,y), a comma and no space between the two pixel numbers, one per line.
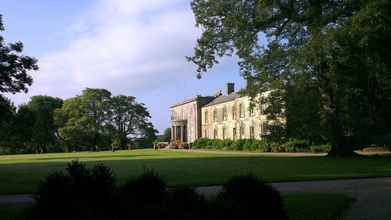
(129,47)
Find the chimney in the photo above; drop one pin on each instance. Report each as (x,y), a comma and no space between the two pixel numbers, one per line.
(230,88)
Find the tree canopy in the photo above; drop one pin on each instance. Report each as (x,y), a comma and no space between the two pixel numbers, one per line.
(338,49)
(14,66)
(97,120)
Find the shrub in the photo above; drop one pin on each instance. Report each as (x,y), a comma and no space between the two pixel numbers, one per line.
(91,193)
(325,148)
(79,193)
(144,196)
(186,203)
(292,145)
(202,143)
(295,145)
(244,197)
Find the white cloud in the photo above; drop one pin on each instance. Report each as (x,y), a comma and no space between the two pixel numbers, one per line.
(121,45)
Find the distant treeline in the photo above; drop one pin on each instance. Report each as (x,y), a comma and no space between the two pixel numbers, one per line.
(94,120)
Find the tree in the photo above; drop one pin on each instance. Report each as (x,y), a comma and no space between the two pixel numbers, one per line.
(44,131)
(166,137)
(97,120)
(14,66)
(7,120)
(76,128)
(34,128)
(282,43)
(130,120)
(95,108)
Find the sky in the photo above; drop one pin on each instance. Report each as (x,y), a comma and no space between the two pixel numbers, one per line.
(130,47)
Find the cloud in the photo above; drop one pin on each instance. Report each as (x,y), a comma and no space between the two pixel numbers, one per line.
(123,46)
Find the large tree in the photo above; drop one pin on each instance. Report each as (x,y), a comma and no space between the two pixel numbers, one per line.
(130,120)
(97,120)
(44,131)
(336,48)
(83,120)
(34,127)
(14,66)
(7,120)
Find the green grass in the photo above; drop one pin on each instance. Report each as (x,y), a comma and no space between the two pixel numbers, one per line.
(299,206)
(22,173)
(318,206)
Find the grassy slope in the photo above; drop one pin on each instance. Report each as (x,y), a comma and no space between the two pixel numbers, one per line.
(22,173)
(301,206)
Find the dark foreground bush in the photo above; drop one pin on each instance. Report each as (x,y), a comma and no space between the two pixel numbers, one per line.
(79,193)
(91,193)
(245,197)
(143,197)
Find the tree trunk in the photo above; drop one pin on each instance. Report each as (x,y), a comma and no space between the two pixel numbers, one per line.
(340,145)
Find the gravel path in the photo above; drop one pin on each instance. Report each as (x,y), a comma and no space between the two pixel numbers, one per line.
(373,196)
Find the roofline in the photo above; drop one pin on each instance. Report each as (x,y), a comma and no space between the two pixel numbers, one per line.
(194,99)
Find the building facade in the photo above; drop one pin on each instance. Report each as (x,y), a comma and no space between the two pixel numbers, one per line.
(186,119)
(228,116)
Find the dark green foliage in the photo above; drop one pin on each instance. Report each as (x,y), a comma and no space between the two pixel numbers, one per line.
(146,195)
(292,145)
(14,66)
(80,193)
(96,120)
(245,197)
(329,60)
(31,127)
(166,136)
(91,193)
(7,120)
(188,204)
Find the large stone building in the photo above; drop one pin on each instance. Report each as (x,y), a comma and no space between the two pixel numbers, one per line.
(227,116)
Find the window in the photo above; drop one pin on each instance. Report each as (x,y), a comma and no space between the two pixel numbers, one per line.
(264,128)
(215,115)
(206,117)
(234,133)
(241,132)
(261,109)
(215,133)
(225,114)
(223,132)
(233,112)
(252,112)
(252,132)
(241,110)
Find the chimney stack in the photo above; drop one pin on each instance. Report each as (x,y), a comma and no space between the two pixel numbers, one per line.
(230,88)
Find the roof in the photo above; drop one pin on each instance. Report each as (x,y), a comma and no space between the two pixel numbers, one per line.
(224,98)
(193,99)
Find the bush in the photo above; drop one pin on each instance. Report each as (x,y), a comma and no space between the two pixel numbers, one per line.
(245,197)
(325,148)
(80,193)
(144,196)
(292,145)
(186,203)
(91,193)
(295,145)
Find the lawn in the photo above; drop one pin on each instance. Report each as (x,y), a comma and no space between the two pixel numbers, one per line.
(299,206)
(22,173)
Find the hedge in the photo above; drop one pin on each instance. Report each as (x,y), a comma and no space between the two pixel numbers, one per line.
(292,145)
